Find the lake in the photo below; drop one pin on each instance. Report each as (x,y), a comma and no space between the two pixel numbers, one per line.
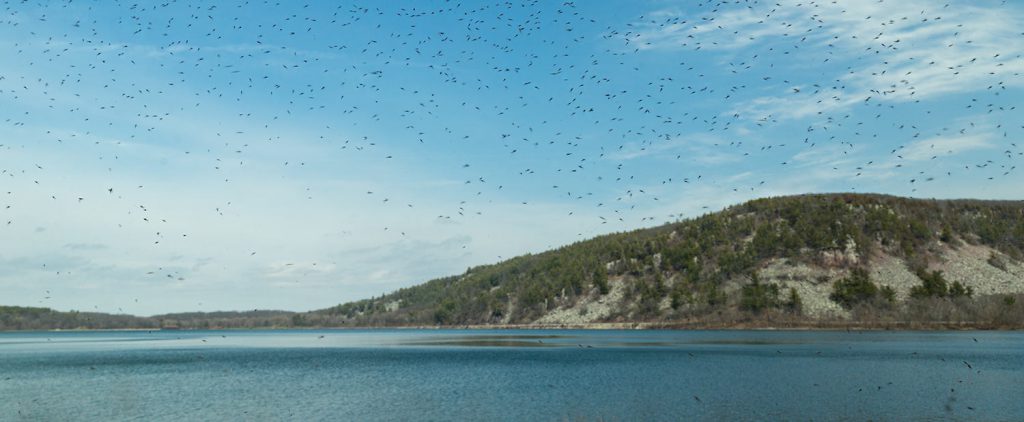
(365,375)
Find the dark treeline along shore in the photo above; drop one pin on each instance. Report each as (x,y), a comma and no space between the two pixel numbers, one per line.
(827,260)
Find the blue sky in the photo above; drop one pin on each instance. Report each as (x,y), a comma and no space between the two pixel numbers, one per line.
(239,155)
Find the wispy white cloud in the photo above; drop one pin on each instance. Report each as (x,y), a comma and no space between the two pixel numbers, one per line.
(697,148)
(669,29)
(915,49)
(925,149)
(825,155)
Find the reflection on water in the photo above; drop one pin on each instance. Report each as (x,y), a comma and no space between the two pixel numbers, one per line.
(511,375)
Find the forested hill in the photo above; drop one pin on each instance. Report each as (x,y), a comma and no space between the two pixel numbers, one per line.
(37,318)
(810,260)
(822,257)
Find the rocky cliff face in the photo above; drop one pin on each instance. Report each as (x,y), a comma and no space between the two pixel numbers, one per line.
(967,264)
(776,258)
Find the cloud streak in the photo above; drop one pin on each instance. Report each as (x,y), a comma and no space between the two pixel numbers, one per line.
(927,149)
(904,51)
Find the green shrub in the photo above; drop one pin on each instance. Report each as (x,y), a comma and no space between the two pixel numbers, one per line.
(854,289)
(757,297)
(933,284)
(601,279)
(959,290)
(887,293)
(794,304)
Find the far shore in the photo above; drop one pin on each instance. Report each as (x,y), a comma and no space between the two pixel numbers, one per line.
(670,325)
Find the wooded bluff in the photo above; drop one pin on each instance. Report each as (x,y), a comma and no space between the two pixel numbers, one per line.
(822,260)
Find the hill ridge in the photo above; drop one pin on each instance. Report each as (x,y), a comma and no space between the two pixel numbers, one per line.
(694,268)
(822,260)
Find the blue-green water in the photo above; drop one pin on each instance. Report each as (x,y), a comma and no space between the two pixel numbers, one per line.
(365,375)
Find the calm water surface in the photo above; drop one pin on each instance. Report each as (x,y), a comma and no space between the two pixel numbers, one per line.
(365,375)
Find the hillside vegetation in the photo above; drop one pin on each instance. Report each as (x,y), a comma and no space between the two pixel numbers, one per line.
(37,318)
(796,260)
(822,260)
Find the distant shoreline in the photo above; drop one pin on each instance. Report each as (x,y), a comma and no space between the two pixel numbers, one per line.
(674,326)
